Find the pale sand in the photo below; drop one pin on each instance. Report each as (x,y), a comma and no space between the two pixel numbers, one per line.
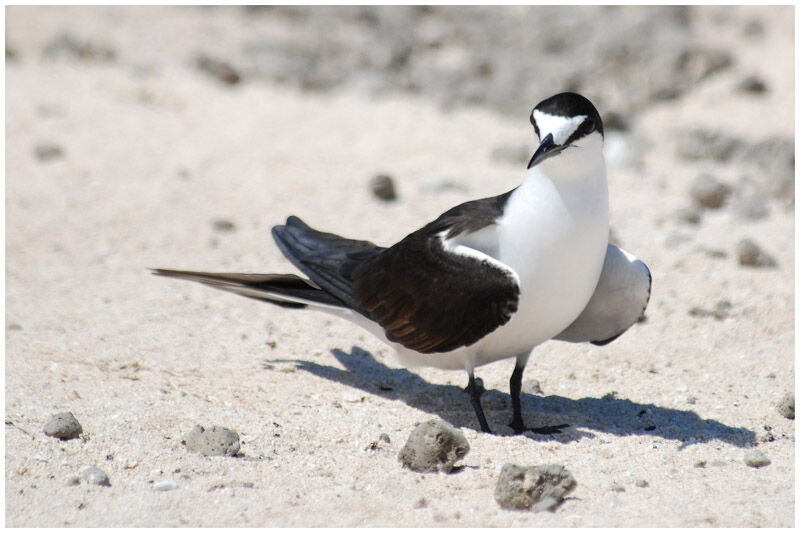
(151,160)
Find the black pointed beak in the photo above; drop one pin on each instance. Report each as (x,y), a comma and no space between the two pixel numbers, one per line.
(547,148)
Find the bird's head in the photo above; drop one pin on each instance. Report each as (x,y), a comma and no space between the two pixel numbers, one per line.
(566,123)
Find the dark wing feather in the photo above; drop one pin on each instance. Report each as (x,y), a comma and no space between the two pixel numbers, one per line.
(328,259)
(433,300)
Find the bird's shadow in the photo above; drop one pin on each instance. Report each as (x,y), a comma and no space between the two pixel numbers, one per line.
(608,414)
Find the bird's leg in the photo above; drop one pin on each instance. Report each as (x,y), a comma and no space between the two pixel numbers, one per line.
(515,387)
(475,398)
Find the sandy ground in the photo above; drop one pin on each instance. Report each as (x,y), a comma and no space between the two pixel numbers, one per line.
(152,157)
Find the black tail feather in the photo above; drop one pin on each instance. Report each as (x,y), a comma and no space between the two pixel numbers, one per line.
(285,290)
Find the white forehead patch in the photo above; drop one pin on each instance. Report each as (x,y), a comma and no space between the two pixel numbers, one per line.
(560,127)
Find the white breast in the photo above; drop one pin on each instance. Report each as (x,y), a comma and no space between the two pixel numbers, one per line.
(554,236)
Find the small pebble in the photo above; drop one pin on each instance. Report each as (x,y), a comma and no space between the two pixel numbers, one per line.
(539,488)
(750,254)
(165,485)
(433,446)
(95,476)
(616,487)
(531,386)
(642,483)
(700,463)
(223,225)
(752,85)
(753,28)
(786,406)
(214,441)
(385,438)
(756,459)
(721,310)
(48,151)
(63,426)
(73,481)
(382,186)
(709,192)
(218,69)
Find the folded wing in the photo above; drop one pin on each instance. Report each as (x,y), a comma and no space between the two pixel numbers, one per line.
(618,302)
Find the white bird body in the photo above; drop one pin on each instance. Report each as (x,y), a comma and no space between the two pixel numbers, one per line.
(553,236)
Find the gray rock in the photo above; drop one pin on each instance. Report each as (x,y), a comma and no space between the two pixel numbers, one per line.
(214,441)
(540,488)
(63,426)
(750,254)
(219,69)
(531,386)
(433,446)
(616,487)
(752,85)
(642,483)
(95,476)
(48,151)
(73,481)
(786,406)
(721,310)
(471,55)
(753,28)
(709,192)
(756,459)
(223,225)
(164,485)
(382,186)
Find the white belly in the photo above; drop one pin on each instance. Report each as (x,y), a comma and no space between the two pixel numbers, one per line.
(555,238)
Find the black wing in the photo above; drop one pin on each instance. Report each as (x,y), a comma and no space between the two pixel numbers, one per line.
(430,299)
(327,259)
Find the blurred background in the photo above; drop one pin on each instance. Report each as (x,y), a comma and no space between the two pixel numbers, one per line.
(733,64)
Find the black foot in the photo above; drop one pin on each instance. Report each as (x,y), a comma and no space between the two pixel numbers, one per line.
(475,390)
(519,427)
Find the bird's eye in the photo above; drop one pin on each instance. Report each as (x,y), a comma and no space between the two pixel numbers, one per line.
(590,125)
